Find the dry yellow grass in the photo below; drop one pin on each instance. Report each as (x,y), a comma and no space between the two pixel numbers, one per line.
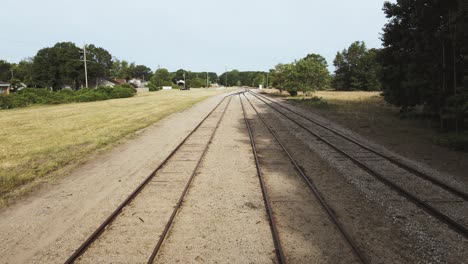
(38,140)
(348,96)
(350,104)
(356,104)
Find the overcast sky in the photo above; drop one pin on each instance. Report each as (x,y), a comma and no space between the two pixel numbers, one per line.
(195,35)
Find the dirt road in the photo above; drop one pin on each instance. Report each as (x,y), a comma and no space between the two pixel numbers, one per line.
(223,216)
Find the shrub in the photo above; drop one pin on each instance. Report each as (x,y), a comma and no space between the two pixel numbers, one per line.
(128,86)
(5,101)
(30,96)
(122,92)
(197,83)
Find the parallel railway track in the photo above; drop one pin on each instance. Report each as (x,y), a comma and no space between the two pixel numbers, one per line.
(387,170)
(329,211)
(146,184)
(409,182)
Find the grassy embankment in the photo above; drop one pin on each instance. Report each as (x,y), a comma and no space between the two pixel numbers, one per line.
(41,142)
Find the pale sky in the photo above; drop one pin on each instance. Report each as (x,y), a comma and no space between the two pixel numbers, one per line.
(195,35)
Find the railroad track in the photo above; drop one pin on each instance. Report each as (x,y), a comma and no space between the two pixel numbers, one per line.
(170,180)
(311,186)
(438,199)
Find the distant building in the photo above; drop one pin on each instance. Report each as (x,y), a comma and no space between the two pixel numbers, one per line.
(181,83)
(138,83)
(120,81)
(100,81)
(4,88)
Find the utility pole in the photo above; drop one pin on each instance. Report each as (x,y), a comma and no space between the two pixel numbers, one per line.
(225,77)
(159,81)
(184,80)
(267,81)
(206,79)
(85,66)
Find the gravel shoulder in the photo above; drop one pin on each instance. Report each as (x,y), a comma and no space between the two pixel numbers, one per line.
(53,221)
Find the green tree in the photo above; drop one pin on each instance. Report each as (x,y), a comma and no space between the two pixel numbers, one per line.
(23,71)
(357,68)
(5,70)
(179,75)
(286,78)
(58,65)
(99,61)
(424,55)
(233,78)
(213,77)
(197,83)
(122,69)
(312,73)
(161,77)
(142,72)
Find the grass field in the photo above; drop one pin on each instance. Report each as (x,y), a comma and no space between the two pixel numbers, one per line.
(355,105)
(37,141)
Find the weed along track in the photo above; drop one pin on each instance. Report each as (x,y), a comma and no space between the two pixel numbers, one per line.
(135,231)
(440,200)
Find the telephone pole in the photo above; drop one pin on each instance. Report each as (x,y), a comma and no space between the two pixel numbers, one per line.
(206,79)
(225,77)
(159,80)
(85,66)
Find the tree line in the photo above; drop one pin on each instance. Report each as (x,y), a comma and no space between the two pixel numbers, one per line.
(424,61)
(356,68)
(62,65)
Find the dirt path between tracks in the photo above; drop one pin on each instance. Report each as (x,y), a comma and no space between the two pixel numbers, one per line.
(48,225)
(223,217)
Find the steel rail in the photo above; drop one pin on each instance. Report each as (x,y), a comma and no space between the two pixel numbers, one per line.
(314,190)
(414,171)
(83,247)
(266,199)
(454,225)
(187,186)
